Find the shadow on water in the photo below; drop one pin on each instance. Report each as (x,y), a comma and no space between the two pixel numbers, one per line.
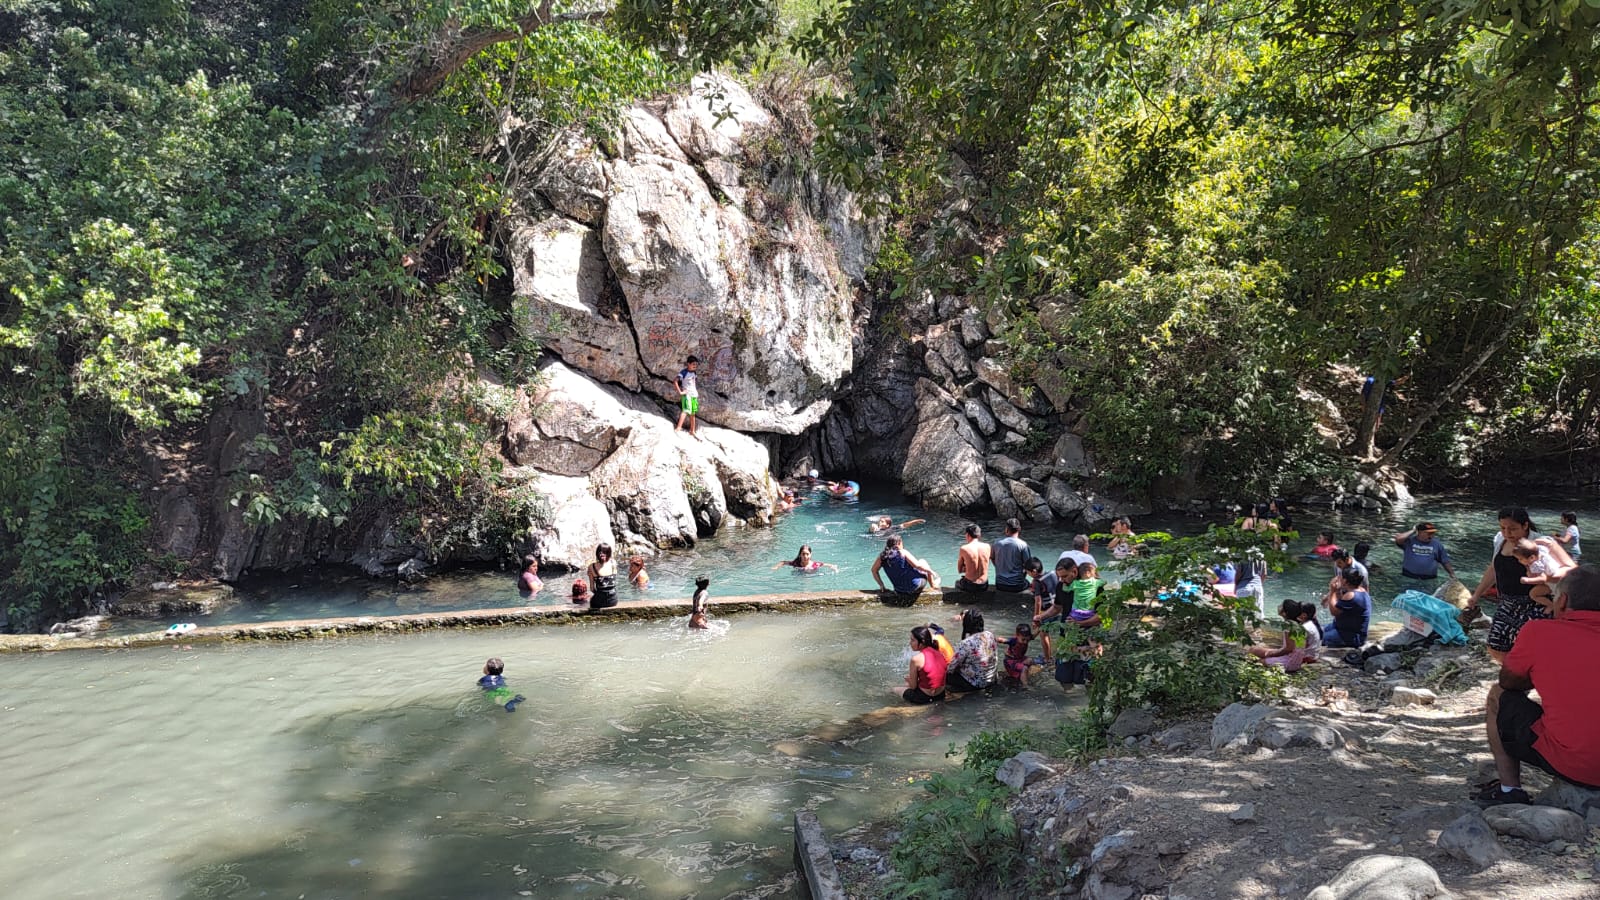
(454,803)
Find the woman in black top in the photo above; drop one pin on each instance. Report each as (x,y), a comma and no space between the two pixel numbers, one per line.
(603,578)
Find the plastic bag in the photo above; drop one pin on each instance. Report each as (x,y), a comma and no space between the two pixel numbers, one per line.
(1437,613)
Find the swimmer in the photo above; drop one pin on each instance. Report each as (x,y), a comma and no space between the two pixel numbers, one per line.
(788,500)
(885,524)
(842,490)
(637,576)
(493,683)
(803,562)
(697,605)
(529,582)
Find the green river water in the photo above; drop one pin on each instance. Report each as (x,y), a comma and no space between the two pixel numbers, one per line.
(646,762)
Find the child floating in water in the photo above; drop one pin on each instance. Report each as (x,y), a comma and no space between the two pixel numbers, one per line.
(493,683)
(1017,654)
(697,606)
(637,576)
(885,524)
(1324,548)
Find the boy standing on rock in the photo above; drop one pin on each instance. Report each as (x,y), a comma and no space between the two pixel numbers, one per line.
(688,394)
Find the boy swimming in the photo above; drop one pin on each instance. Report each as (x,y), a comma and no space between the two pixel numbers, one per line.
(493,683)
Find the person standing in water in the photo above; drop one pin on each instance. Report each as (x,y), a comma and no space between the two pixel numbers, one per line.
(528,582)
(698,603)
(1423,553)
(603,579)
(688,384)
(1011,559)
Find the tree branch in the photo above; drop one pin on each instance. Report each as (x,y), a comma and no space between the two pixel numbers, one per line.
(452,51)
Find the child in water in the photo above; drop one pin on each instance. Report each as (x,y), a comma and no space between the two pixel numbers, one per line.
(637,576)
(493,683)
(885,524)
(1324,548)
(942,642)
(1017,654)
(697,605)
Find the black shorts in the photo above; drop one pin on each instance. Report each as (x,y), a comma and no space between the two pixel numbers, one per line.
(915,695)
(956,683)
(1509,617)
(1518,713)
(968,587)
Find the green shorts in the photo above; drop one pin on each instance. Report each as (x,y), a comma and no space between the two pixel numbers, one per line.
(688,404)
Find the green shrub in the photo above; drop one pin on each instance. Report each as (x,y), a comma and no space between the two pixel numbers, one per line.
(957,839)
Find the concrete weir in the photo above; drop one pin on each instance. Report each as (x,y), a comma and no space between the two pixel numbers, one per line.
(308,629)
(814,860)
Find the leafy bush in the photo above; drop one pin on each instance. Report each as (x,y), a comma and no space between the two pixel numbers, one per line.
(957,839)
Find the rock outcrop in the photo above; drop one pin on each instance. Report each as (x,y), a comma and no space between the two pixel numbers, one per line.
(695,237)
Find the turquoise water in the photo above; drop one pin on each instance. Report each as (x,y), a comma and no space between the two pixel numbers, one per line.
(647,761)
(740,561)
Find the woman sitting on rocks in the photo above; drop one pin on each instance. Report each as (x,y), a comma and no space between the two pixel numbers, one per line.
(976,665)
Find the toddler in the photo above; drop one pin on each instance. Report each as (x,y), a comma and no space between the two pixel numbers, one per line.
(493,683)
(1017,654)
(1302,638)
(1542,570)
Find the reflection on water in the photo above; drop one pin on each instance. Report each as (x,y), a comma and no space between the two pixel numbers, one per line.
(740,561)
(647,761)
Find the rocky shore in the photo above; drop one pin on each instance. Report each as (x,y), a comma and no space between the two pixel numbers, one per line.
(1355,786)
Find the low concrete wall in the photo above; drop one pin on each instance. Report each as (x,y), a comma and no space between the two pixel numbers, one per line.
(814,860)
(306,629)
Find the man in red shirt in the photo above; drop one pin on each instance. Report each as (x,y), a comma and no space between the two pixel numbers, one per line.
(1556,658)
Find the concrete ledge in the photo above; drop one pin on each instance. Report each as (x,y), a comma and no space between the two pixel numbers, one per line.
(814,860)
(307,629)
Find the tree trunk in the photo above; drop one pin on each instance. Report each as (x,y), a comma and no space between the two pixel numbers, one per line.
(1442,397)
(450,52)
(1367,432)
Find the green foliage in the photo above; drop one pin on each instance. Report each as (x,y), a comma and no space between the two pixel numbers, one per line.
(1189,210)
(1176,655)
(957,840)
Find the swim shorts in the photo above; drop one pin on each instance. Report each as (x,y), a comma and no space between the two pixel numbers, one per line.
(689,403)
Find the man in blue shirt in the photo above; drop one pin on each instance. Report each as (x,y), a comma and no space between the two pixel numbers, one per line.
(1424,553)
(1010,555)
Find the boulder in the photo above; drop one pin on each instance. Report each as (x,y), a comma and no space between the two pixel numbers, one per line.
(944,462)
(1539,824)
(1470,838)
(1285,733)
(1030,505)
(1065,502)
(974,331)
(1129,864)
(1382,664)
(1133,722)
(1023,769)
(980,416)
(79,627)
(177,522)
(574,179)
(1007,467)
(1231,727)
(200,600)
(742,467)
(1070,456)
(1406,696)
(577,521)
(1424,822)
(560,280)
(1383,878)
(1563,794)
(1245,813)
(944,342)
(642,485)
(1009,415)
(1000,498)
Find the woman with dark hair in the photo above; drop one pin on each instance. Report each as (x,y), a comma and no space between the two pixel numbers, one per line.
(602,578)
(1505,573)
(803,562)
(908,574)
(925,679)
(976,665)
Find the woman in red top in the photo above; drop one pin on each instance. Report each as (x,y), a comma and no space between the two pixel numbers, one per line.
(925,679)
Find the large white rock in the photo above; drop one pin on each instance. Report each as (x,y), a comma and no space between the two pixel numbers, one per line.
(1383,878)
(559,283)
(577,521)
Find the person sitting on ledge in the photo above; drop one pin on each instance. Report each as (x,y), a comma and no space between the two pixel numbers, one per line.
(1011,559)
(908,574)
(972,561)
(1556,658)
